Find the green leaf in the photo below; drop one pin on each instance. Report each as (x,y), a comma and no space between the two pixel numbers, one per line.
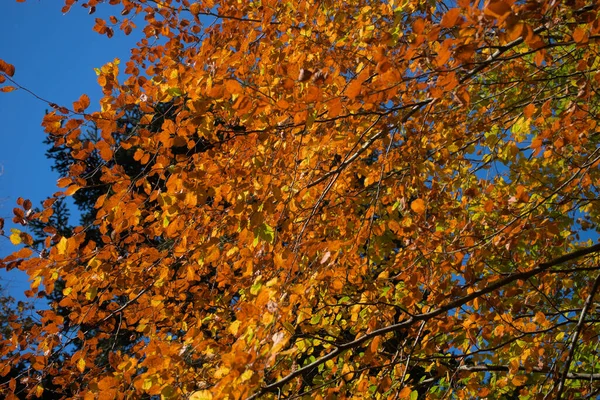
(168,392)
(175,92)
(266,233)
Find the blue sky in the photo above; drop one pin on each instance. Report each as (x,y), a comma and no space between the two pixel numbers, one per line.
(54,55)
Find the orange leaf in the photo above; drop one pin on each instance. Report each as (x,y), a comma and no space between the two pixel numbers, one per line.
(334,107)
(353,89)
(7,68)
(444,53)
(580,36)
(233,86)
(374,346)
(23,253)
(497,9)
(519,380)
(7,89)
(419,25)
(383,66)
(281,103)
(449,19)
(104,150)
(72,189)
(81,104)
(195,8)
(63,182)
(418,206)
(338,284)
(529,110)
(405,393)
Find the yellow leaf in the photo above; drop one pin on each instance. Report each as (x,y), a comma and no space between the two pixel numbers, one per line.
(418,206)
(15,236)
(221,372)
(234,327)
(36,282)
(147,384)
(246,375)
(81,365)
(61,246)
(347,372)
(91,293)
(201,395)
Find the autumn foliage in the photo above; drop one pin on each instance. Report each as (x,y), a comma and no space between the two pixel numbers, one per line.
(332,199)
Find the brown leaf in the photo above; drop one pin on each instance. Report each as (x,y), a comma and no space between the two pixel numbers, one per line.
(497,9)
(7,68)
(304,75)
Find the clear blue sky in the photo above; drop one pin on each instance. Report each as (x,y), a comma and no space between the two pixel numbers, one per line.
(54,55)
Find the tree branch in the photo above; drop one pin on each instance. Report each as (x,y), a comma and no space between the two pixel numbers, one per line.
(368,143)
(537,370)
(428,316)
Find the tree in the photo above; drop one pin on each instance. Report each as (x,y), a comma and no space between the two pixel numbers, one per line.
(11,314)
(378,200)
(84,200)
